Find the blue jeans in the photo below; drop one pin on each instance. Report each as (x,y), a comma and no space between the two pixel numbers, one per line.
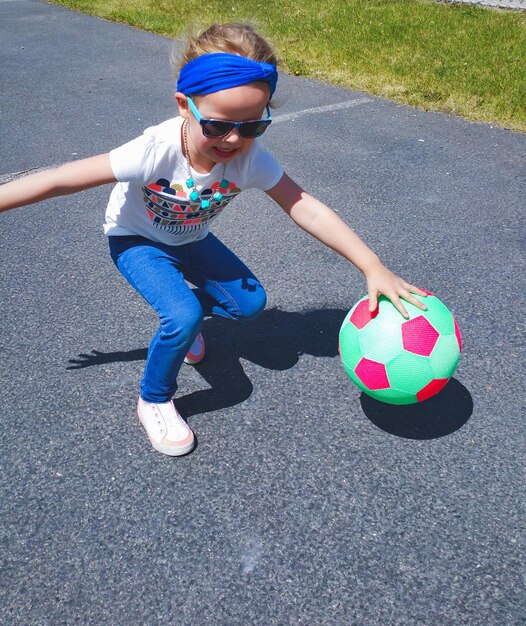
(224,287)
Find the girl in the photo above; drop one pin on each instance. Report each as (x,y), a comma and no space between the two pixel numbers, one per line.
(172,182)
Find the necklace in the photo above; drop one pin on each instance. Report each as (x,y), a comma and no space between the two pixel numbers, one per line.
(194,195)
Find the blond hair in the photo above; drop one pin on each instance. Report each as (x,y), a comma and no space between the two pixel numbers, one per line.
(231,37)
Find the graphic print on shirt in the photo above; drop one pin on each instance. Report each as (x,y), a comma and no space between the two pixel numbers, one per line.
(171,210)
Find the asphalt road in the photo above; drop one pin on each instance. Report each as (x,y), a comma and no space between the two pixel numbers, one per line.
(304,503)
(502,4)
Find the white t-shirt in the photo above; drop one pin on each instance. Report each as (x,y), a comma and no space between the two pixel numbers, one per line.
(151,197)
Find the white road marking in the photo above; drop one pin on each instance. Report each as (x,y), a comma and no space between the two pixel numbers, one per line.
(347,104)
(287,117)
(6,178)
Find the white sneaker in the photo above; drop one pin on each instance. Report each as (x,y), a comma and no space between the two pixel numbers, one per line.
(197,351)
(167,430)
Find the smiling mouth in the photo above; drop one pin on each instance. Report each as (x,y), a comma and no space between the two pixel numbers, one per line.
(223,152)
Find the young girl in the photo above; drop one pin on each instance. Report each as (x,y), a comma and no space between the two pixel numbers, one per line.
(172,183)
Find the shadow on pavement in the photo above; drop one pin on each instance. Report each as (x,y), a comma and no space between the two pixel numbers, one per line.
(274,341)
(437,417)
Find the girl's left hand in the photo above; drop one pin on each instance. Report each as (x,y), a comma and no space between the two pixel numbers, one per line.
(380,280)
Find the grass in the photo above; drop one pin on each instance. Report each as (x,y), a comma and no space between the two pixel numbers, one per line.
(460,59)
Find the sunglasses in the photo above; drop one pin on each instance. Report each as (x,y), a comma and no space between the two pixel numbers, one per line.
(214,129)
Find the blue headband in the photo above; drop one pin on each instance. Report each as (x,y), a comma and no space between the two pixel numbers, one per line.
(221,70)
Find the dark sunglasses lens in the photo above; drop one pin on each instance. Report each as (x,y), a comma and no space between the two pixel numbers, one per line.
(216,129)
(250,130)
(253,129)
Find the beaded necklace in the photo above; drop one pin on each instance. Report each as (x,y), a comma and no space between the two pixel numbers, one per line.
(194,195)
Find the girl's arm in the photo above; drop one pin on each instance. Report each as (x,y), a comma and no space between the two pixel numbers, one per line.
(63,180)
(318,220)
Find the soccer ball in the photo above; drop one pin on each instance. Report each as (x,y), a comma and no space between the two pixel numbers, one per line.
(399,360)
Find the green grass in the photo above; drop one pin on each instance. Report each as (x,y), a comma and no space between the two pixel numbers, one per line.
(465,60)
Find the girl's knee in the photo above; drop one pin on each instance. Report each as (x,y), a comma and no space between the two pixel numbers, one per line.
(253,307)
(183,324)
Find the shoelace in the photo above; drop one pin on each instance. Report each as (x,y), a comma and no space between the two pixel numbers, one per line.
(172,417)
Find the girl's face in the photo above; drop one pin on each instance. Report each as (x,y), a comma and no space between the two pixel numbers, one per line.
(238,104)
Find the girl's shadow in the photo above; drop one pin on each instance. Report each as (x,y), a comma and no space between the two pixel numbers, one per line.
(275,341)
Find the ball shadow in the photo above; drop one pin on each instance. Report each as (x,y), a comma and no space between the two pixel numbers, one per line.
(436,417)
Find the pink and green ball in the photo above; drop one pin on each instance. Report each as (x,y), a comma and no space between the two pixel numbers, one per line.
(399,360)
